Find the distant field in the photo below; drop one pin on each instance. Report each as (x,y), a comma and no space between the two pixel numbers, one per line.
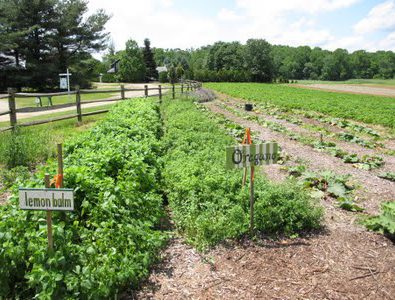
(385,82)
(369,109)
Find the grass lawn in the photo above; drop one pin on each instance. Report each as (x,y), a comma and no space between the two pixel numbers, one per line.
(35,144)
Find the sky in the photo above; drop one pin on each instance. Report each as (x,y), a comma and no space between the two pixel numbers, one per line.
(329,24)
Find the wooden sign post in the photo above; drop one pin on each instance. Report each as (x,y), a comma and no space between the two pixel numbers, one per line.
(49,217)
(49,199)
(251,155)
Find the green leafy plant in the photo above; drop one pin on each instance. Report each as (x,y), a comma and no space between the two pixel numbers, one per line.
(385,221)
(388,175)
(200,189)
(111,238)
(10,176)
(320,184)
(337,105)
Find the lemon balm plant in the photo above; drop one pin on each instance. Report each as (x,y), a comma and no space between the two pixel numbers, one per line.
(110,240)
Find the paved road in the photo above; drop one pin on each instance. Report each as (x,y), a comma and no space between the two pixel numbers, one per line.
(130,94)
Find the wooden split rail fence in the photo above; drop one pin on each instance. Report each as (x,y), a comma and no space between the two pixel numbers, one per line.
(185,86)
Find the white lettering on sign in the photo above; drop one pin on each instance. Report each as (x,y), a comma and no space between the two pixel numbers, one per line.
(46,199)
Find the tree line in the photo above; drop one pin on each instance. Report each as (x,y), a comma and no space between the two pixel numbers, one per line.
(42,38)
(256,61)
(259,61)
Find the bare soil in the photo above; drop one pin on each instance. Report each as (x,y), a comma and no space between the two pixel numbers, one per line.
(373,189)
(349,88)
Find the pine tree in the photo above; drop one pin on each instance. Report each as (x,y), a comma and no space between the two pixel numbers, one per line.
(150,65)
(132,67)
(44,37)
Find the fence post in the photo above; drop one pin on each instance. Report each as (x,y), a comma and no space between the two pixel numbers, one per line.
(122,92)
(182,88)
(146,91)
(12,107)
(160,93)
(174,91)
(78,102)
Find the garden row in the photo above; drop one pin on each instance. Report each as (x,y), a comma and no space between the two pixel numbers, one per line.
(120,170)
(208,201)
(110,239)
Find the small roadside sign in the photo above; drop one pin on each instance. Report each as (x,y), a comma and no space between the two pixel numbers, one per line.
(248,155)
(63,83)
(46,199)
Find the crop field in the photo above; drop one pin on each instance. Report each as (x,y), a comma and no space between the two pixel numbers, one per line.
(158,215)
(364,108)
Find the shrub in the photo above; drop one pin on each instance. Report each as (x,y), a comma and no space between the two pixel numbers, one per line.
(207,201)
(163,77)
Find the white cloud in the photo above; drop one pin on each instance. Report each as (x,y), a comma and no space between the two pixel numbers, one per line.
(175,26)
(276,8)
(388,42)
(269,20)
(157,20)
(226,14)
(350,43)
(167,3)
(381,17)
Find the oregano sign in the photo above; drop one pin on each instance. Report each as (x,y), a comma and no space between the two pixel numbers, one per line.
(249,155)
(243,156)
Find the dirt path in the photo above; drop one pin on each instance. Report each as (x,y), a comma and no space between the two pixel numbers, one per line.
(353,89)
(340,264)
(129,94)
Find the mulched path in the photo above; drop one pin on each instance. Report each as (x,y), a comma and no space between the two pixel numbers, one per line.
(339,264)
(343,261)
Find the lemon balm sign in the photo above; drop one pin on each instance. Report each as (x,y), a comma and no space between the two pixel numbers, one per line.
(243,156)
(46,199)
